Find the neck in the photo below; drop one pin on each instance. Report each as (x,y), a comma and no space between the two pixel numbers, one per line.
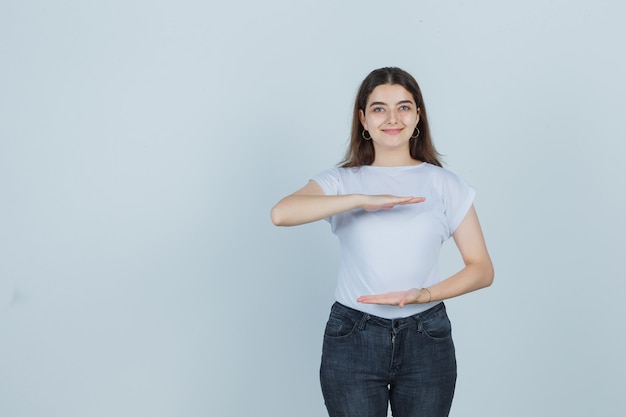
(394,159)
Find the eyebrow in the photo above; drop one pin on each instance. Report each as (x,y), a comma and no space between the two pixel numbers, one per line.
(380,103)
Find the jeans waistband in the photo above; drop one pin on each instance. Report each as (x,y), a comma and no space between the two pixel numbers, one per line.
(394,324)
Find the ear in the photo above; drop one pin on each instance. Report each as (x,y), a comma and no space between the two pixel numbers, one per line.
(419,112)
(362,119)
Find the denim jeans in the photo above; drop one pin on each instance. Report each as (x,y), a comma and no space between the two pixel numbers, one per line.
(369,362)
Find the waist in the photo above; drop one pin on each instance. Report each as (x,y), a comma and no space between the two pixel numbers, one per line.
(390,323)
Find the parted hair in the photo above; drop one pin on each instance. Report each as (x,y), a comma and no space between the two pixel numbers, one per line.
(360,151)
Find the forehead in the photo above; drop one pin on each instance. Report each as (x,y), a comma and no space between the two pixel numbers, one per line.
(390,94)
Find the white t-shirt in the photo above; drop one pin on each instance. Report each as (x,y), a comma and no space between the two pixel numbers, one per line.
(397,249)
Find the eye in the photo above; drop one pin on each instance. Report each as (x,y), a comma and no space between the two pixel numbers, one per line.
(405,108)
(378,109)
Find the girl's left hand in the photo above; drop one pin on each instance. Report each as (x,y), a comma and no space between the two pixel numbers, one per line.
(397,298)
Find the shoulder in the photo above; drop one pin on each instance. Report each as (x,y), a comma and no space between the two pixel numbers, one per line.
(327,174)
(337,173)
(442,174)
(437,170)
(330,179)
(335,180)
(449,185)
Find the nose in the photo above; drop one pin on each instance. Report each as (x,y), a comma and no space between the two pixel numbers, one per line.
(392,116)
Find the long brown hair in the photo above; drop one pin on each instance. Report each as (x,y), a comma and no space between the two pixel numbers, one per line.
(360,151)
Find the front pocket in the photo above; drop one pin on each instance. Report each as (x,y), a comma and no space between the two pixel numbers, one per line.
(338,326)
(438,326)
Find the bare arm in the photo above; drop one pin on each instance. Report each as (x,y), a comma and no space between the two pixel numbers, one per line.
(309,204)
(477,273)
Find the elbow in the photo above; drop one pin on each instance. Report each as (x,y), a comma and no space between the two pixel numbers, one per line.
(278,219)
(488,274)
(283,214)
(483,273)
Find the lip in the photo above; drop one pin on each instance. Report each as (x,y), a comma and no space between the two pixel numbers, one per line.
(392,131)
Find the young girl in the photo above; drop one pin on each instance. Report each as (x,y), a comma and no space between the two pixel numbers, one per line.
(391,204)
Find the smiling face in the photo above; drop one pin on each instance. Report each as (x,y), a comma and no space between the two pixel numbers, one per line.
(390,116)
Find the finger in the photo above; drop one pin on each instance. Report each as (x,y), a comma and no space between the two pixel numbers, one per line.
(385,299)
(401,303)
(414,200)
(408,200)
(403,300)
(369,299)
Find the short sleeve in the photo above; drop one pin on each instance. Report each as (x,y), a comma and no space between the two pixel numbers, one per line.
(328,180)
(458,198)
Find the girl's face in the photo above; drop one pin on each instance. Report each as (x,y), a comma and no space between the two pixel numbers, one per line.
(390,117)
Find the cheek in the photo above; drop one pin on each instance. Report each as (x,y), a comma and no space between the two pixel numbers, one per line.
(373,119)
(411,120)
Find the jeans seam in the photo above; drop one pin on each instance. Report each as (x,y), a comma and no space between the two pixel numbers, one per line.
(363,321)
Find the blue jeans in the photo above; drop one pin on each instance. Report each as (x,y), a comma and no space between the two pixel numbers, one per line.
(369,362)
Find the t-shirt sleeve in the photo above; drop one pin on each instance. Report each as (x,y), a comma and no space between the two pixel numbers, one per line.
(458,198)
(328,180)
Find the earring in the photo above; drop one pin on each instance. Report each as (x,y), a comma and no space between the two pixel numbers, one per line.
(416,134)
(365,137)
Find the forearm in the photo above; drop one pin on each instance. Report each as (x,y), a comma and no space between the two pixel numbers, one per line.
(471,278)
(299,209)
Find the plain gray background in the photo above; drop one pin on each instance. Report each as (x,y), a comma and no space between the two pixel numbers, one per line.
(143,143)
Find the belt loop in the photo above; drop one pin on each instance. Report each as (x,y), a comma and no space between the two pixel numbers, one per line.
(364,320)
(418,320)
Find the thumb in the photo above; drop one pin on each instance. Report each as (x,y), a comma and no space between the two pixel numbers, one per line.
(402,300)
